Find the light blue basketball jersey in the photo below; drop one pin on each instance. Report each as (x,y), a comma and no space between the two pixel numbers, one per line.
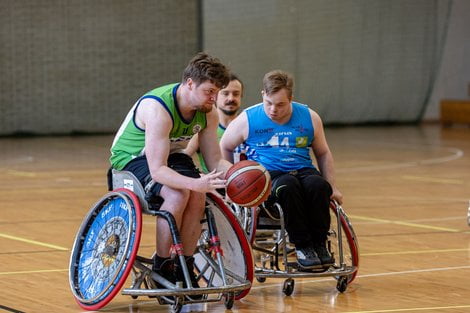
(280,147)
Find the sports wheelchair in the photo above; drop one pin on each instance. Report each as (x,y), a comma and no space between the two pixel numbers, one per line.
(266,232)
(106,245)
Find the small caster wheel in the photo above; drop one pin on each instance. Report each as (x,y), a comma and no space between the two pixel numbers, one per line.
(261,279)
(229,300)
(342,284)
(134,297)
(288,286)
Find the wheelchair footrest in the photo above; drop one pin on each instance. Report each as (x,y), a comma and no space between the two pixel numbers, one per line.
(327,272)
(186,291)
(317,269)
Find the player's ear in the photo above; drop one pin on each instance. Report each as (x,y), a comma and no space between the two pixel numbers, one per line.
(190,83)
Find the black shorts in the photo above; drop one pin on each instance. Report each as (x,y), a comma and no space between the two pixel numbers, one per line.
(180,162)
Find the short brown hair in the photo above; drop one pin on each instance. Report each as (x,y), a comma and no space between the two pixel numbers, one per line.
(277,80)
(203,67)
(234,76)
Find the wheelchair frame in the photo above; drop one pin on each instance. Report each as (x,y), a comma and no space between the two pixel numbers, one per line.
(105,252)
(273,262)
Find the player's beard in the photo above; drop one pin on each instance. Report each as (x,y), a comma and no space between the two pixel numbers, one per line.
(205,109)
(229,112)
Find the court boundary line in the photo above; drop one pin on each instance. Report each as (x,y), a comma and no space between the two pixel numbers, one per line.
(319,280)
(416,252)
(34,271)
(378,275)
(451,307)
(455,153)
(402,223)
(33,242)
(437,269)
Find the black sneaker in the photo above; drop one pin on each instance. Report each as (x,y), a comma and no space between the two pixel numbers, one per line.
(307,258)
(192,275)
(166,269)
(325,257)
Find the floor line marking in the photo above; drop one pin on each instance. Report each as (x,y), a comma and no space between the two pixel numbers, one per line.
(421,220)
(362,254)
(373,219)
(21,173)
(417,199)
(434,180)
(455,154)
(437,269)
(34,271)
(415,252)
(413,309)
(34,242)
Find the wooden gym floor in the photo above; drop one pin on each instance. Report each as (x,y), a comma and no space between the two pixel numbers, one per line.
(406,191)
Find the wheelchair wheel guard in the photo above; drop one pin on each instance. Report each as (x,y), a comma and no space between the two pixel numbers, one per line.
(105,248)
(238,258)
(247,218)
(349,241)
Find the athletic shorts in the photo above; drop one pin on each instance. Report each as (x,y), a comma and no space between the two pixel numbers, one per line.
(179,162)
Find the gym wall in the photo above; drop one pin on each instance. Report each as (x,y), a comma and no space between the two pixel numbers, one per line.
(79,65)
(354,61)
(73,66)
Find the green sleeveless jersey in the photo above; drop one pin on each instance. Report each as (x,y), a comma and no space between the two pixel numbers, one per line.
(129,142)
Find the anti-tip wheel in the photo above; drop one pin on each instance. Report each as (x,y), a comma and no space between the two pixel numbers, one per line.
(342,284)
(229,300)
(288,286)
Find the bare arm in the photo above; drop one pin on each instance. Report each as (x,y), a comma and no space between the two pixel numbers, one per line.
(235,134)
(209,145)
(324,156)
(193,145)
(157,123)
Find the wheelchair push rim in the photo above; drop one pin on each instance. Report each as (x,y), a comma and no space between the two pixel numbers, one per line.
(105,248)
(347,232)
(237,253)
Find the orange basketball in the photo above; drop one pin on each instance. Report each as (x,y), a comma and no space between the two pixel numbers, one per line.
(248,183)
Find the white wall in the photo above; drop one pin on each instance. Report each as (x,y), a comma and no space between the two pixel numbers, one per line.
(453,78)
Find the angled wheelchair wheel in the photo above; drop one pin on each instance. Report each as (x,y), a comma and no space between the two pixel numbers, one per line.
(247,217)
(105,248)
(349,244)
(237,256)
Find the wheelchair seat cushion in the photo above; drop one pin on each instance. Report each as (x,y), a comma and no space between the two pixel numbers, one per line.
(179,162)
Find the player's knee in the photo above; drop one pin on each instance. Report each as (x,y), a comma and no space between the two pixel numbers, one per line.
(318,185)
(176,198)
(285,185)
(197,202)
